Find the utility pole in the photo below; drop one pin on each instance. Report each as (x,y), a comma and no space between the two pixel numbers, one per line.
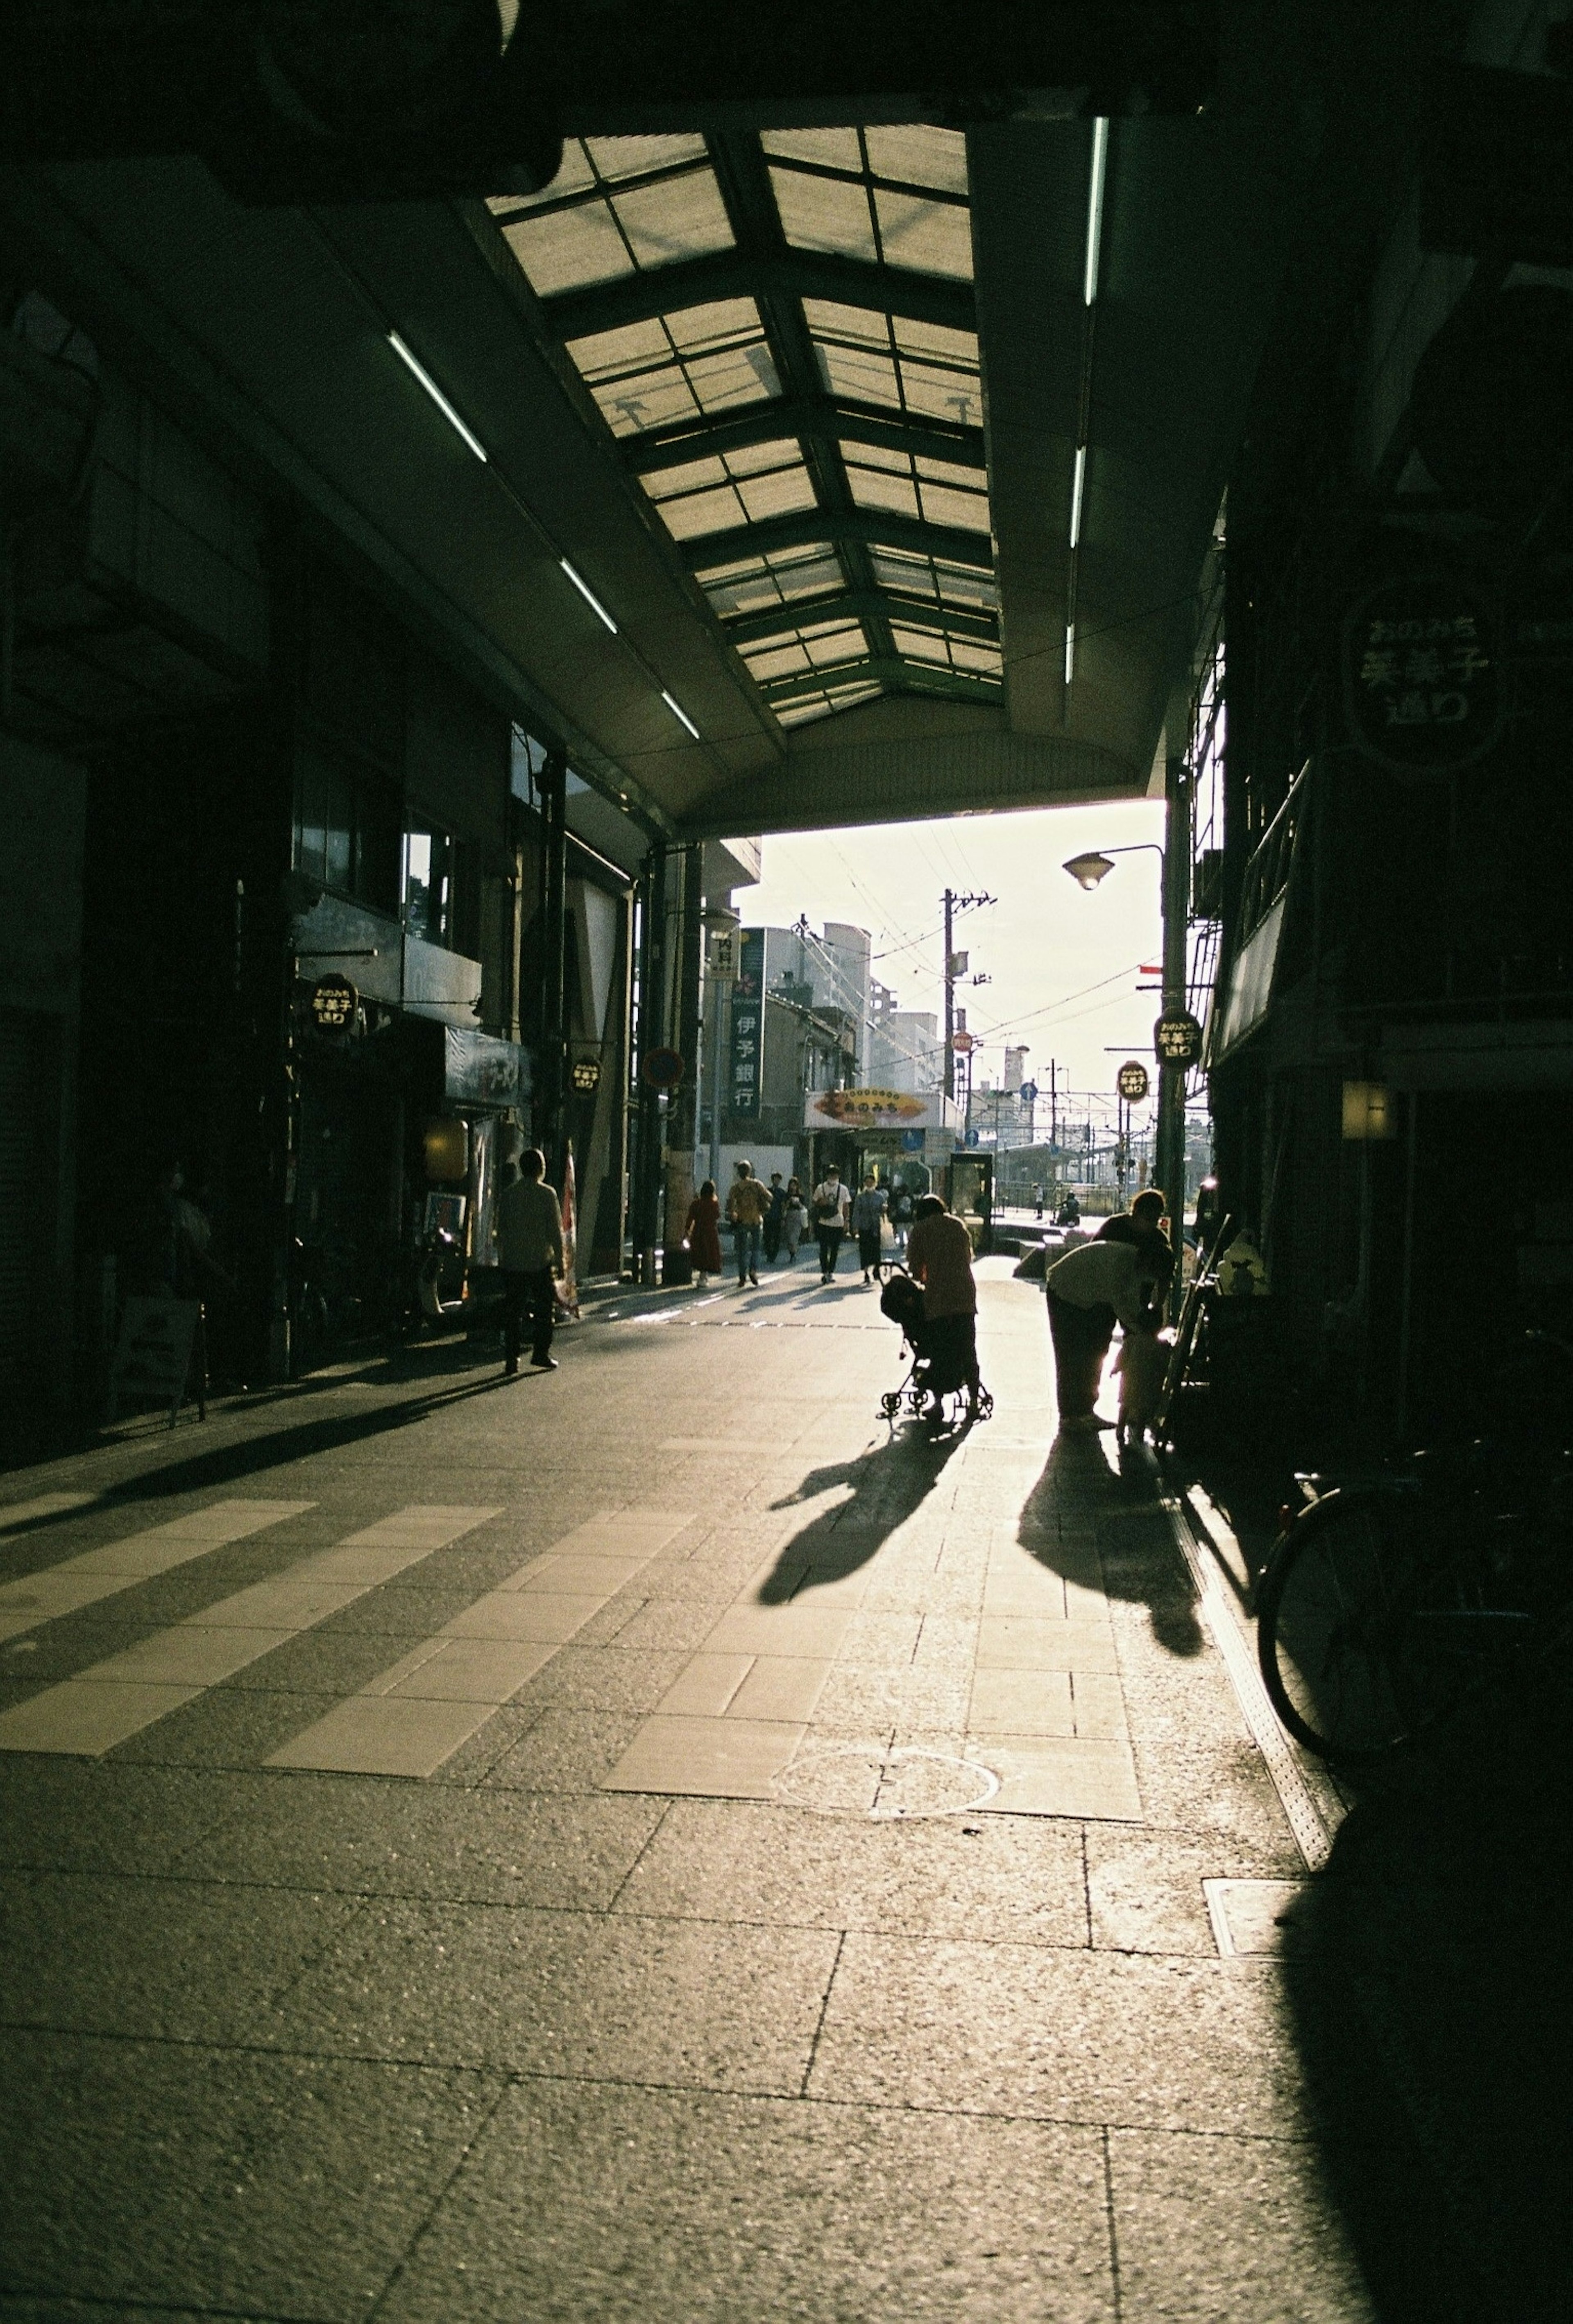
(952,904)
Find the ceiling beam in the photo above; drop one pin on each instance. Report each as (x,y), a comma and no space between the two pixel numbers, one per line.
(818,417)
(848,603)
(753,273)
(877,527)
(895,673)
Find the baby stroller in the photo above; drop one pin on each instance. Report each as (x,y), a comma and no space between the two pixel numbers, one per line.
(939,1368)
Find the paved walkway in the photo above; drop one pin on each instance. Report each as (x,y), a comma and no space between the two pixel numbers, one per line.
(646,1841)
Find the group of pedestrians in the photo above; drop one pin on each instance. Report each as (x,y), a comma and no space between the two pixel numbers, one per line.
(770,1221)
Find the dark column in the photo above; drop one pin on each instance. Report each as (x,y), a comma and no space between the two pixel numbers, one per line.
(682,1118)
(548,1085)
(650,1033)
(1170,1144)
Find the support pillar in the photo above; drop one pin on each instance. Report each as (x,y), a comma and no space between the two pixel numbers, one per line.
(650,1034)
(682,1115)
(1170,1142)
(549,1094)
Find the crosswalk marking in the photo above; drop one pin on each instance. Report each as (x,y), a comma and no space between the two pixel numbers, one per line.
(98,1573)
(416,1713)
(115,1699)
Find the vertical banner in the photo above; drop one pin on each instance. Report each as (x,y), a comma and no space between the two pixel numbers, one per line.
(569,1296)
(745,1064)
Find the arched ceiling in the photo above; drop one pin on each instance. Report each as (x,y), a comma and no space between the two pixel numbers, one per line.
(802,476)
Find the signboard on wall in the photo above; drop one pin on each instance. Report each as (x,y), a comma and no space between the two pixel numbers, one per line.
(746,1049)
(1421,690)
(867,1109)
(478,1069)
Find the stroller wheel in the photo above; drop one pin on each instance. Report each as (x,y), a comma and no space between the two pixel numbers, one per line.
(984,1406)
(890,1403)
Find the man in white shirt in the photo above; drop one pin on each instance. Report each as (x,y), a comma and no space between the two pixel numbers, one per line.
(1090,1290)
(828,1212)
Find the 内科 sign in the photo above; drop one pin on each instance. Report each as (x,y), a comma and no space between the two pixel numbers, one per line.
(1131,1080)
(1177,1040)
(1420,688)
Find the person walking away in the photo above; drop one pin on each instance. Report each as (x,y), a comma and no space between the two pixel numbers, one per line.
(939,1256)
(869,1210)
(900,1213)
(703,1232)
(794,1219)
(1037,1201)
(746,1206)
(529,1251)
(1089,1290)
(771,1232)
(830,1205)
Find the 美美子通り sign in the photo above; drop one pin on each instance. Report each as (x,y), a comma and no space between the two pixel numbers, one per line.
(1421,690)
(1177,1040)
(334,1002)
(1132,1081)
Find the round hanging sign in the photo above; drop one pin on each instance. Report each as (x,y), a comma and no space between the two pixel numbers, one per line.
(1177,1040)
(585,1074)
(1420,688)
(334,1002)
(1132,1082)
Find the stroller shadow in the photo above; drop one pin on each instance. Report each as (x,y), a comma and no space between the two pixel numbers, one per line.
(887,1486)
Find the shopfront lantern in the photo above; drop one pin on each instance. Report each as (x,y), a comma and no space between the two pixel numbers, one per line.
(448,1150)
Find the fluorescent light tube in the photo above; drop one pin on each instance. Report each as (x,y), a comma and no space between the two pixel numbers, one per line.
(1077,482)
(678,712)
(1095,207)
(1070,651)
(591,599)
(437,395)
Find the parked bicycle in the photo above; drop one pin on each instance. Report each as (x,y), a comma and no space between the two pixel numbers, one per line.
(1390,1598)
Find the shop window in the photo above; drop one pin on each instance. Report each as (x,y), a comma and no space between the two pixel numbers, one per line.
(346,831)
(428,883)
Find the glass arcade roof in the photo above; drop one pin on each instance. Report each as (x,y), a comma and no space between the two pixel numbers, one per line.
(778,332)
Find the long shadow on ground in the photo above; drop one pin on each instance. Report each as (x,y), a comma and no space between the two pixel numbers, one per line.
(1080,1509)
(888,1484)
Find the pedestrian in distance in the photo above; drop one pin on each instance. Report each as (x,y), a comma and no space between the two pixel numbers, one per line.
(746,1206)
(1090,1290)
(794,1219)
(939,1256)
(868,1208)
(830,1209)
(773,1217)
(529,1251)
(900,1213)
(703,1233)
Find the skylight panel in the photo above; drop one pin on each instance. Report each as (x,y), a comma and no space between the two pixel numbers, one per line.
(828,214)
(831,149)
(777,576)
(676,367)
(919,155)
(805,706)
(715,495)
(942,394)
(674,219)
(879,478)
(937,650)
(858,327)
(924,237)
(858,375)
(567,250)
(617,158)
(918,338)
(967,587)
(875,488)
(796,653)
(966,512)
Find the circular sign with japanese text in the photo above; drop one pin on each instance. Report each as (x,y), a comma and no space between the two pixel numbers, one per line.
(584,1073)
(1132,1081)
(334,1002)
(1420,688)
(663,1069)
(1177,1040)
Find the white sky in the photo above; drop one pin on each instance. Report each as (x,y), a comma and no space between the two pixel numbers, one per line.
(1045,941)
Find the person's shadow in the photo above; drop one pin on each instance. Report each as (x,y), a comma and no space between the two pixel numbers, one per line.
(1080,1500)
(887,1485)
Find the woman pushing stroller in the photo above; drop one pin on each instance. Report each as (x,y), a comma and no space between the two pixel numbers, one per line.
(939,1256)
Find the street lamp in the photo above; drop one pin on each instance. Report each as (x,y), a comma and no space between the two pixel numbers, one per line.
(1089,871)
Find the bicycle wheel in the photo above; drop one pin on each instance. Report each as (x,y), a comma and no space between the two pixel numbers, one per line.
(1351,1649)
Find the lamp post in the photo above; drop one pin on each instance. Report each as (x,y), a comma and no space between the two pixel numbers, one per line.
(1174,857)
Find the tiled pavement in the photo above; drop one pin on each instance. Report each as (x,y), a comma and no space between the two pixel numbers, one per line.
(645,1841)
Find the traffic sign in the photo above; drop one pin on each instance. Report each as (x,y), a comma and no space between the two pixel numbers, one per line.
(962,1044)
(1132,1082)
(1177,1040)
(1029,1092)
(664,1069)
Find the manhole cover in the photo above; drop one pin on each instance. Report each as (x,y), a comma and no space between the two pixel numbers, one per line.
(864,1779)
